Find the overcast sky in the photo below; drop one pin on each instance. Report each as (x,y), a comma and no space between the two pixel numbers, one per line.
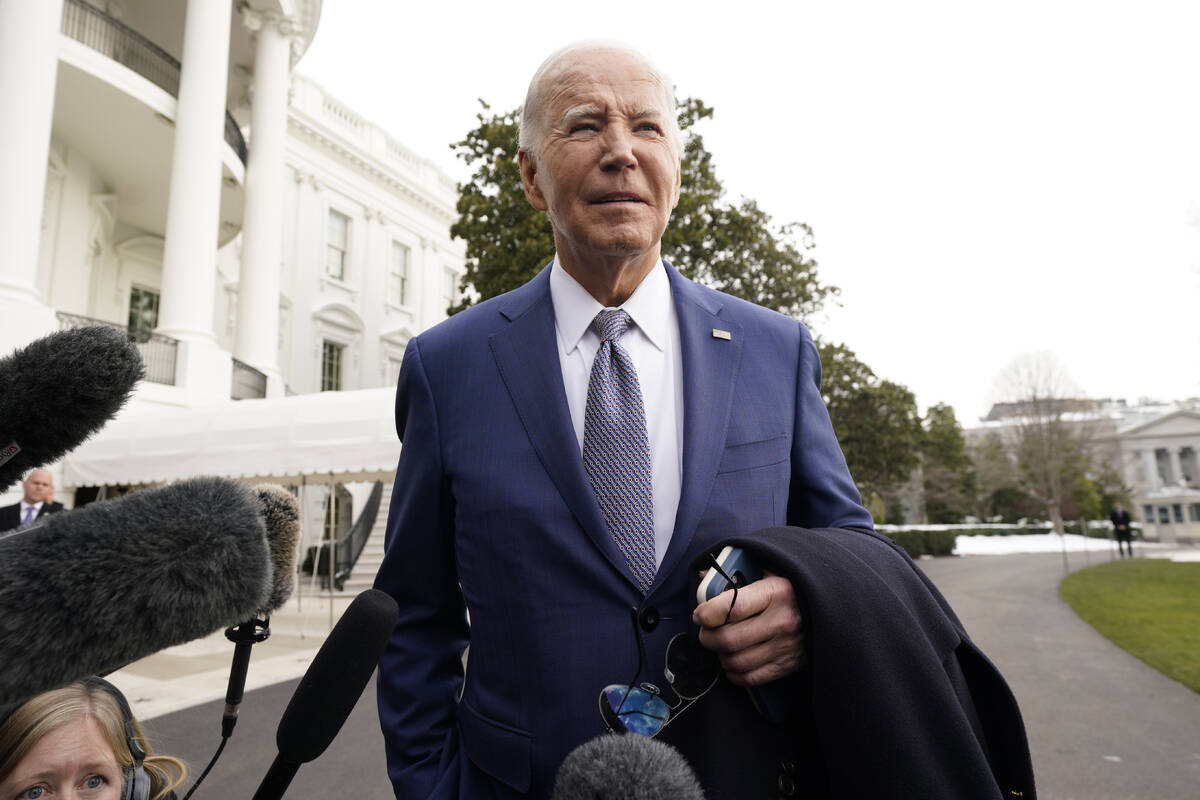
(983,179)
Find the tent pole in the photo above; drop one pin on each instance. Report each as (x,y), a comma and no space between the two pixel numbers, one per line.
(299,583)
(333,525)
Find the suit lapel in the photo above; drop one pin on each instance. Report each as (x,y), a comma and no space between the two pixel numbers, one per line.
(526,353)
(710,370)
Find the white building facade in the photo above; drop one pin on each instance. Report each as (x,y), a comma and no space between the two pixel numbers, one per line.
(1160,462)
(166,171)
(366,259)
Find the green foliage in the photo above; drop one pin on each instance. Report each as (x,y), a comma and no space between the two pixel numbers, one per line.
(1148,607)
(875,507)
(918,542)
(998,492)
(1051,459)
(876,421)
(943,441)
(1084,499)
(1013,530)
(949,477)
(1111,486)
(972,529)
(507,239)
(1012,503)
(732,247)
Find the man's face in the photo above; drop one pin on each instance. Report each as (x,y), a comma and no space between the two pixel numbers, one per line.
(38,487)
(606,170)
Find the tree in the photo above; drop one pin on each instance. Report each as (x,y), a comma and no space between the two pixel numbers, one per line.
(1112,488)
(1051,452)
(734,248)
(949,476)
(876,422)
(998,491)
(507,239)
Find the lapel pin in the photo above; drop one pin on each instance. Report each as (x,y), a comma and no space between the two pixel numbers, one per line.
(720,334)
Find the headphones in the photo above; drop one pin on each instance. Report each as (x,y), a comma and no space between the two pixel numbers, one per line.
(136,783)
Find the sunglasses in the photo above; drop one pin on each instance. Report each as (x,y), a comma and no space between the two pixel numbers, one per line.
(690,670)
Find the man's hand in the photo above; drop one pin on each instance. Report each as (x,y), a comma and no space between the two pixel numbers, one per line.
(763,640)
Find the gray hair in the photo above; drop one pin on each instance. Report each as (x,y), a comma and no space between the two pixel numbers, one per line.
(530,134)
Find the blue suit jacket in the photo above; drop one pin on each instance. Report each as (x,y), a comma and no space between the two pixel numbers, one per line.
(492,508)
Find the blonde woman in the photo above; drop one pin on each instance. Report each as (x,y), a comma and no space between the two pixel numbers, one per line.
(81,742)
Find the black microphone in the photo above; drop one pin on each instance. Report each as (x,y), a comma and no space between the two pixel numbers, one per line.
(281,514)
(59,390)
(625,767)
(87,591)
(330,688)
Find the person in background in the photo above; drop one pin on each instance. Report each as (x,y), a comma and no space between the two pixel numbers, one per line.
(1122,529)
(81,741)
(37,502)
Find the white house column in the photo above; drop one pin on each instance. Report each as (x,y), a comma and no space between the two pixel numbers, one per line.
(1150,463)
(28,73)
(1176,466)
(194,203)
(256,341)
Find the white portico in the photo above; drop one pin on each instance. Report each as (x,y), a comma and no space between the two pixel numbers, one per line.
(1160,462)
(125,172)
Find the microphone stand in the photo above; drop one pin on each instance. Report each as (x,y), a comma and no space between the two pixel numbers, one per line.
(244,637)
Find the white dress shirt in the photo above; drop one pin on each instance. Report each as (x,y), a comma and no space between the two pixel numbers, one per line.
(652,342)
(37,507)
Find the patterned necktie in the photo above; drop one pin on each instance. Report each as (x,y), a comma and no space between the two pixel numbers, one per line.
(616,449)
(28,520)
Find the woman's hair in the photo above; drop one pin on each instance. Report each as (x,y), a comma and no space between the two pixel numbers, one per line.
(49,711)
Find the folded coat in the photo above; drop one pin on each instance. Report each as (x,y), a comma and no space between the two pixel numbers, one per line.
(896,700)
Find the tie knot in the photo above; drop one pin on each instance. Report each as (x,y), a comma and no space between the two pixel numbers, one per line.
(610,323)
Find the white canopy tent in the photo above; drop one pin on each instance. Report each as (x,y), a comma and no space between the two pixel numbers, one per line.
(346,436)
(312,441)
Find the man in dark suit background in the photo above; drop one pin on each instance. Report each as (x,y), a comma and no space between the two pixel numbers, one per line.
(569,447)
(37,502)
(1122,529)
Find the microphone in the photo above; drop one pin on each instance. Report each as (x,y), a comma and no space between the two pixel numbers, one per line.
(330,688)
(58,391)
(625,767)
(281,515)
(88,591)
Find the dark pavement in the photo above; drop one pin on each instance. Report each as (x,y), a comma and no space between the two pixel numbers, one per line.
(352,767)
(1102,725)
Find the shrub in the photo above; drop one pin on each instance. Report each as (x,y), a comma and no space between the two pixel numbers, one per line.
(918,542)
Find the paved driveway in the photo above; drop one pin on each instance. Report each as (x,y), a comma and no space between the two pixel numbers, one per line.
(1102,725)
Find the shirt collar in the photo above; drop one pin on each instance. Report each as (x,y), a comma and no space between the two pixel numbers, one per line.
(574,309)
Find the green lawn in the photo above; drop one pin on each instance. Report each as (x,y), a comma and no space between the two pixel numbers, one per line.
(1149,607)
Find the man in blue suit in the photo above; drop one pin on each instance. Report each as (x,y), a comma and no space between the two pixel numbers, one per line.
(570,446)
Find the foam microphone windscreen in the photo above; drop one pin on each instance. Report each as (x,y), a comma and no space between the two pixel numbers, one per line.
(330,688)
(625,767)
(57,391)
(281,516)
(88,591)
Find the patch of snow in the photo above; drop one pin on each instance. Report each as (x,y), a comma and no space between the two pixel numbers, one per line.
(1052,543)
(1028,543)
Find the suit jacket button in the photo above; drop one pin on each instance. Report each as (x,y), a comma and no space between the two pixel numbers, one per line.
(787,786)
(649,618)
(787,767)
